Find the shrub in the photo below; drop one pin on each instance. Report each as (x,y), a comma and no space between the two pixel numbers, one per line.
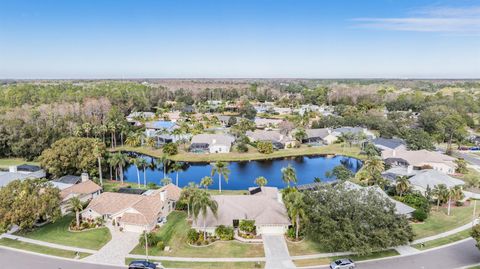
(152,239)
(170,149)
(417,201)
(265,147)
(419,215)
(459,203)
(192,236)
(242,147)
(247,226)
(224,232)
(291,232)
(152,185)
(160,245)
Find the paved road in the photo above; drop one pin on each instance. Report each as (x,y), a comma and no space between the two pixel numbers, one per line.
(20,260)
(458,255)
(469,157)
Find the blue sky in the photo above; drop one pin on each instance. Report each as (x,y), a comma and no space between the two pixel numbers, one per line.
(239,38)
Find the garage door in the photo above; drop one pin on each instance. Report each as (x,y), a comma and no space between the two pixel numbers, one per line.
(133,228)
(272,229)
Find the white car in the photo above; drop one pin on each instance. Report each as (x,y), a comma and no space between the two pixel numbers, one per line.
(342,264)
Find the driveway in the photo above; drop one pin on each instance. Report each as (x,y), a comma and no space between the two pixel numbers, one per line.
(276,252)
(114,252)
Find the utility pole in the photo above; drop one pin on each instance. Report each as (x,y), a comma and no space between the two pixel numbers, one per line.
(146,242)
(474,213)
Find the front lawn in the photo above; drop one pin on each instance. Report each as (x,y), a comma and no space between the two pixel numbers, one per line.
(174,235)
(58,233)
(41,249)
(209,265)
(304,247)
(324,261)
(443,241)
(438,221)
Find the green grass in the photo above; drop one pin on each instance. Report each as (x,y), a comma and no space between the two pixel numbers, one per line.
(6,162)
(443,241)
(438,221)
(58,233)
(334,149)
(474,267)
(323,261)
(174,235)
(40,249)
(304,247)
(207,265)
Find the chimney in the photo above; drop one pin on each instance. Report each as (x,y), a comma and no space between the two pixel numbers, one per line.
(12,169)
(163,195)
(84,177)
(393,153)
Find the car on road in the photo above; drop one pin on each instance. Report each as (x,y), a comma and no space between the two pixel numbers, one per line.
(139,264)
(342,264)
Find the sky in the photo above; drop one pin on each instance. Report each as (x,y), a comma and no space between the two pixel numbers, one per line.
(75,39)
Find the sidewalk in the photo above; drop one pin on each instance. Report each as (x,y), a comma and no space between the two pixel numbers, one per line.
(46,244)
(445,234)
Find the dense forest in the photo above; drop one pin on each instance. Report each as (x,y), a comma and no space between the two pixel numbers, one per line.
(35,114)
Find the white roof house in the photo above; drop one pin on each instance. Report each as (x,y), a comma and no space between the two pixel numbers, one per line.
(420,159)
(264,206)
(431,178)
(262,123)
(355,131)
(213,143)
(14,174)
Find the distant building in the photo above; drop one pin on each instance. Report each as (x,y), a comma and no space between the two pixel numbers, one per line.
(420,159)
(320,136)
(262,123)
(21,172)
(162,131)
(430,178)
(212,143)
(357,131)
(138,117)
(278,140)
(388,144)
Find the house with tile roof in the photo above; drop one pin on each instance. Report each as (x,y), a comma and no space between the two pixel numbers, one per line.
(278,140)
(420,159)
(133,212)
(85,191)
(264,205)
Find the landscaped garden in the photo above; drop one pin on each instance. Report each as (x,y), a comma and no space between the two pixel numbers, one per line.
(41,249)
(174,234)
(439,222)
(59,233)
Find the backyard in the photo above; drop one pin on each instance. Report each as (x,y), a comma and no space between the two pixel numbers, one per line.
(58,233)
(174,235)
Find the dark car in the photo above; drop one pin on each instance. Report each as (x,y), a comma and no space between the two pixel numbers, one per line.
(142,265)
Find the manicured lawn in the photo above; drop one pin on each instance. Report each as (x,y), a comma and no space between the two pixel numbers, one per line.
(443,241)
(40,249)
(252,154)
(58,233)
(208,265)
(6,162)
(439,222)
(475,267)
(174,234)
(323,261)
(304,247)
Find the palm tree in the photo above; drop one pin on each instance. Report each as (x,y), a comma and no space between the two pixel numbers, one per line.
(206,181)
(455,194)
(187,195)
(133,139)
(166,181)
(137,162)
(403,185)
(163,161)
(177,167)
(300,135)
(112,127)
(441,193)
(261,181)
(289,175)
(97,153)
(201,204)
(141,162)
(220,168)
(296,209)
(120,160)
(87,128)
(76,206)
(374,168)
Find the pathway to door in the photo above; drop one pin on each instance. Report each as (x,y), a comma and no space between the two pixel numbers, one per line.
(276,252)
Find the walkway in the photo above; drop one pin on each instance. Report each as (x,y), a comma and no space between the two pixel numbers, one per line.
(46,244)
(406,250)
(114,252)
(276,252)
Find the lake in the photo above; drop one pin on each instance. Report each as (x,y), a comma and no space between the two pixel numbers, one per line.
(243,174)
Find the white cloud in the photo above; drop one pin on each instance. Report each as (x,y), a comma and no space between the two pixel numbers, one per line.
(438,19)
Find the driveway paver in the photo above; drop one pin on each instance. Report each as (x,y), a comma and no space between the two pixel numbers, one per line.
(276,252)
(114,252)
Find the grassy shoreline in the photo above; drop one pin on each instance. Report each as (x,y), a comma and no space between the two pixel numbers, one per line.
(334,149)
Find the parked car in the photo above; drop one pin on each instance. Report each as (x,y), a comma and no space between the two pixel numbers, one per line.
(142,265)
(342,264)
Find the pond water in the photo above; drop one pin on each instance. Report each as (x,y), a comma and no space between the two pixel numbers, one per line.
(243,174)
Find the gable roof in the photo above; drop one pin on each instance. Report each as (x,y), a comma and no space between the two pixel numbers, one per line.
(160,125)
(263,135)
(68,179)
(418,157)
(392,143)
(432,178)
(320,132)
(85,187)
(213,139)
